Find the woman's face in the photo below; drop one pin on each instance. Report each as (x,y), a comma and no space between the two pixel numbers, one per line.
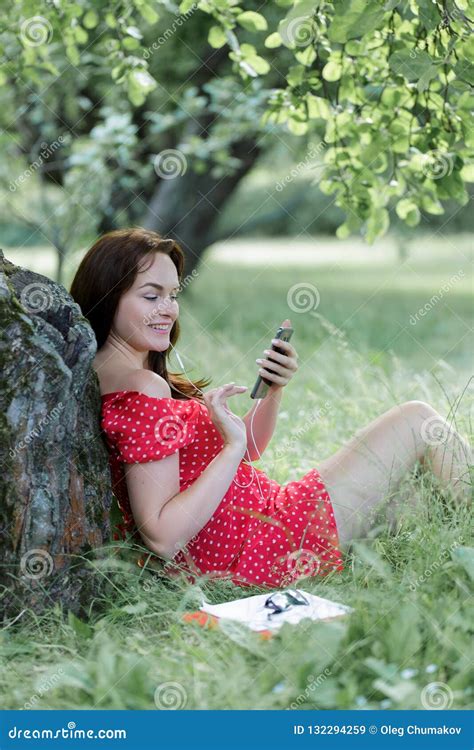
(149,302)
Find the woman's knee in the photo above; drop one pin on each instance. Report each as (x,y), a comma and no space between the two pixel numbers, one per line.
(418,409)
(422,420)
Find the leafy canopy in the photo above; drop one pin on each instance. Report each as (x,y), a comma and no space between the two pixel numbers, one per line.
(386,86)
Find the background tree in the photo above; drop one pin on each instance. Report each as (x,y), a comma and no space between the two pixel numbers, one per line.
(159,126)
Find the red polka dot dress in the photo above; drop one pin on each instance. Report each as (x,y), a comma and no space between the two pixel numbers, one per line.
(262,533)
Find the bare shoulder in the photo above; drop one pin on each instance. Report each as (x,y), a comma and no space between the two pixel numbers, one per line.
(147,382)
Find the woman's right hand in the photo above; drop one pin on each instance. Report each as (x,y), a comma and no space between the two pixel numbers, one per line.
(230,426)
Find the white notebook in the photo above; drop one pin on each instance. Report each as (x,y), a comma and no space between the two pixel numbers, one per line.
(252,612)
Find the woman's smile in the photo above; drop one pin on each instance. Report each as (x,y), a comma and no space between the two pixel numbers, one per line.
(161,328)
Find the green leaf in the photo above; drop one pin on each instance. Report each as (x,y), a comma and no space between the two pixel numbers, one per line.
(81,36)
(306,56)
(411,64)
(429,14)
(186,5)
(297,127)
(295,75)
(91,19)
(431,206)
(148,13)
(332,71)
(352,224)
(252,63)
(452,186)
(273,40)
(140,83)
(467,173)
(216,37)
(354,19)
(110,20)
(259,64)
(465,71)
(343,231)
(408,211)
(252,21)
(318,108)
(426,77)
(130,43)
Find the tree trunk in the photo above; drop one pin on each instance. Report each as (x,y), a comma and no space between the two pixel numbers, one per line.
(55,484)
(188,206)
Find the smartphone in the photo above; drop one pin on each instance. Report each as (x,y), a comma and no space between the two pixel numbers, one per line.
(262,384)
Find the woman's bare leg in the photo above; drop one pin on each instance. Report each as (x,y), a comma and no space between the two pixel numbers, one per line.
(369,468)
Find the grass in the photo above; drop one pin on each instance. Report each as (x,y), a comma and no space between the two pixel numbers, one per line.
(408,642)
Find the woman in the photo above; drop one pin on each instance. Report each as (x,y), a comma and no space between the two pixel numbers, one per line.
(180,460)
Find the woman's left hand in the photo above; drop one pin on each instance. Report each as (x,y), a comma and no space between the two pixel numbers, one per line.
(279,368)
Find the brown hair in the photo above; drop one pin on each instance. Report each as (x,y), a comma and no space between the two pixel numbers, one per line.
(108,269)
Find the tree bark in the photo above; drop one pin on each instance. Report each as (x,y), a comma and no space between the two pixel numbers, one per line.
(55,485)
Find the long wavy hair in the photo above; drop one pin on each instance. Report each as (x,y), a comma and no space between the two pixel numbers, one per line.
(108,270)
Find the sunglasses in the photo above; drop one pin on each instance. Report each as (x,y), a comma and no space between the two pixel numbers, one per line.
(283,600)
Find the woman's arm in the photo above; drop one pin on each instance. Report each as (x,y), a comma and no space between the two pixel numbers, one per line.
(187,513)
(264,422)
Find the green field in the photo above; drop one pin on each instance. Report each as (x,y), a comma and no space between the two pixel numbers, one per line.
(409,641)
